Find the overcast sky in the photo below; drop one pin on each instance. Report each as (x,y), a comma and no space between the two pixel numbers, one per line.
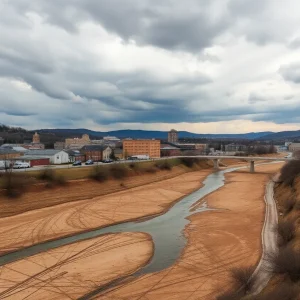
(210,66)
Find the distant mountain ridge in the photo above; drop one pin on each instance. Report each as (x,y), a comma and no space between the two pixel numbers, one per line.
(138,134)
(283,135)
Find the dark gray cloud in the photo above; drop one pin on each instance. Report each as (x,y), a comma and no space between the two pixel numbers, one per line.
(165,24)
(73,62)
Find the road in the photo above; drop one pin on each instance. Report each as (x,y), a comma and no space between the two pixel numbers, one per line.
(212,157)
(262,273)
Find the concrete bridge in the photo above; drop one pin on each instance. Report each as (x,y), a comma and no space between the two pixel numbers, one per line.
(251,159)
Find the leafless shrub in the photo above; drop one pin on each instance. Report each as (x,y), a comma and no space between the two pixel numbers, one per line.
(289,205)
(188,161)
(164,165)
(52,179)
(289,172)
(47,175)
(243,283)
(99,174)
(243,278)
(283,291)
(60,180)
(118,171)
(286,230)
(14,185)
(287,262)
(150,170)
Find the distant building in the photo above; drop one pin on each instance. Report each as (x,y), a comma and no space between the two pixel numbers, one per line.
(15,147)
(111,138)
(173,136)
(77,143)
(59,145)
(118,153)
(75,155)
(35,160)
(56,157)
(294,147)
(6,153)
(36,138)
(141,147)
(96,152)
(235,148)
(1,141)
(168,150)
(35,144)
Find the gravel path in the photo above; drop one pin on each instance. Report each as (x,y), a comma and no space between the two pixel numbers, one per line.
(269,241)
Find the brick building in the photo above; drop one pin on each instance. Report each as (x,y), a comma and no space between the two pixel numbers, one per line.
(35,160)
(75,155)
(96,152)
(141,147)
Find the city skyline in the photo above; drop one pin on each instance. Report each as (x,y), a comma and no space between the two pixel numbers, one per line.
(220,67)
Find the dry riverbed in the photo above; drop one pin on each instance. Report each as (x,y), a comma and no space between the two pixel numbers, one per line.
(218,240)
(71,271)
(56,221)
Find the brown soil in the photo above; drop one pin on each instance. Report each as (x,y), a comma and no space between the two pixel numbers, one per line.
(217,241)
(71,271)
(38,196)
(39,225)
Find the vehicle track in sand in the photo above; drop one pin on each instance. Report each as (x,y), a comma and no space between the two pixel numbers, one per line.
(71,271)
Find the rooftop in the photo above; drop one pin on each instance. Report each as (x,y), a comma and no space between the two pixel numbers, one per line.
(94,147)
(46,152)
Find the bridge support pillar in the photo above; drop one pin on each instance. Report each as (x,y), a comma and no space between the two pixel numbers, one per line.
(252,169)
(216,164)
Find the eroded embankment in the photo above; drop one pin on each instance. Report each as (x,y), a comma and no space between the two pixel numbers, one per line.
(37,196)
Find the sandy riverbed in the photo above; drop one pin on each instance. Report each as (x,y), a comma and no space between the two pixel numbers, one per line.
(52,222)
(74,270)
(217,241)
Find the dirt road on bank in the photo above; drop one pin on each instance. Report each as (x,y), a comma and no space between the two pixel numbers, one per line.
(61,220)
(218,240)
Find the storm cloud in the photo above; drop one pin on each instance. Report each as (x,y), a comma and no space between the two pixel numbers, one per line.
(100,63)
